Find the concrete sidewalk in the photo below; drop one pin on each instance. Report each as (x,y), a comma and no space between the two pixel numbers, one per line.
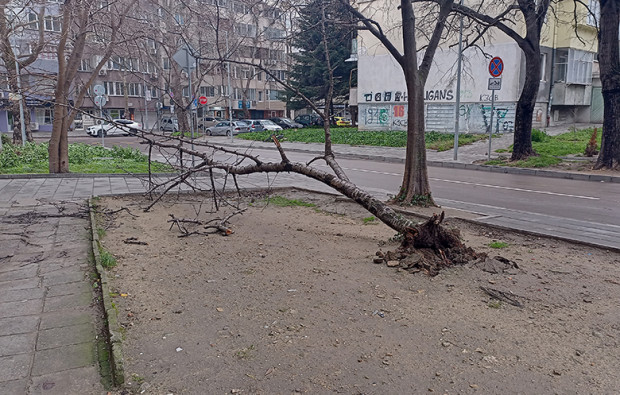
(48,312)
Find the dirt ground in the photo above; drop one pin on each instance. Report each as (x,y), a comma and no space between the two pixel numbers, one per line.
(293,303)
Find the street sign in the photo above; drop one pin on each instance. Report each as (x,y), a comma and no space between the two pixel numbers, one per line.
(100,101)
(247,104)
(203,100)
(496,67)
(495,84)
(99,90)
(184,57)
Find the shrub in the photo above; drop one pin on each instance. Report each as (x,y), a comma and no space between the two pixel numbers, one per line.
(539,135)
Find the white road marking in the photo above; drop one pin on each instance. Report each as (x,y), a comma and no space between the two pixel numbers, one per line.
(470,183)
(515,189)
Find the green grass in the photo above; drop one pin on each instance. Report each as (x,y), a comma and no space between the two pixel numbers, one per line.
(107,259)
(369,220)
(281,201)
(498,244)
(83,158)
(551,148)
(350,135)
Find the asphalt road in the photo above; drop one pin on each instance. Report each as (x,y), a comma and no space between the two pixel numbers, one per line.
(581,210)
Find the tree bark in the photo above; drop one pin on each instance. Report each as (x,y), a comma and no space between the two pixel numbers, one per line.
(609,63)
(522,148)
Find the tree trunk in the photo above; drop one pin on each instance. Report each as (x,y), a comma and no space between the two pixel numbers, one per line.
(415,188)
(59,145)
(522,148)
(609,62)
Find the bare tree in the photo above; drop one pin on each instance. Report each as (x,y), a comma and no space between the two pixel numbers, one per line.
(533,13)
(224,166)
(415,188)
(84,22)
(609,62)
(12,25)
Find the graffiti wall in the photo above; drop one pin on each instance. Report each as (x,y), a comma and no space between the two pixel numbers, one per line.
(440,117)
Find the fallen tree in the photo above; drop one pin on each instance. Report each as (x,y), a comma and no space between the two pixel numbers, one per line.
(429,246)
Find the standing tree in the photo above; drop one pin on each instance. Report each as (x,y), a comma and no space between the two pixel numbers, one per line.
(609,63)
(84,22)
(415,188)
(533,14)
(310,73)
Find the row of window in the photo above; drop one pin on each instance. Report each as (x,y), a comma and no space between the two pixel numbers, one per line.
(50,23)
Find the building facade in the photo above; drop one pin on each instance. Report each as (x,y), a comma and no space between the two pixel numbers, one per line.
(568,55)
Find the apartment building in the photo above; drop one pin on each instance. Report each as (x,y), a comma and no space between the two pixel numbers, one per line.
(568,58)
(142,79)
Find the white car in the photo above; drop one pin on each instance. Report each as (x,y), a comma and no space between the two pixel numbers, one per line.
(119,127)
(270,125)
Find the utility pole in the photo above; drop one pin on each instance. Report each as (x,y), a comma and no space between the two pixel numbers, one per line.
(458,91)
(229,93)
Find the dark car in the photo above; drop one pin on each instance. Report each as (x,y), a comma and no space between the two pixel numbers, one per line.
(286,123)
(309,120)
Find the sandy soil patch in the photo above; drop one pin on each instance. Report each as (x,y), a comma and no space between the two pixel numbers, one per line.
(292,303)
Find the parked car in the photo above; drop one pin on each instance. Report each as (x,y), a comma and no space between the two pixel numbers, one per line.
(309,120)
(255,125)
(169,124)
(224,128)
(258,125)
(207,122)
(115,127)
(286,123)
(341,121)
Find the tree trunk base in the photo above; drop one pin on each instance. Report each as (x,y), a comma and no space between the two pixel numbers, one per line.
(429,247)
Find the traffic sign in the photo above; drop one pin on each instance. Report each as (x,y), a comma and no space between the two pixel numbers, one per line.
(203,100)
(100,101)
(98,90)
(495,84)
(496,66)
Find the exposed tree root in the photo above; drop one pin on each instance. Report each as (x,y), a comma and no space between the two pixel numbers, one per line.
(429,247)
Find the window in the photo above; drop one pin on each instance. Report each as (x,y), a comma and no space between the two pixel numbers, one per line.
(260,95)
(543,67)
(33,20)
(573,66)
(251,94)
(179,19)
(186,91)
(115,63)
(240,8)
(114,88)
(134,89)
(208,91)
(274,34)
(166,63)
(84,65)
(52,23)
(246,74)
(245,30)
(44,116)
(273,95)
(594,12)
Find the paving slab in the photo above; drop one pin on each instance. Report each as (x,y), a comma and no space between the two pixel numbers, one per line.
(14,367)
(17,325)
(82,381)
(64,358)
(17,344)
(68,301)
(22,307)
(58,337)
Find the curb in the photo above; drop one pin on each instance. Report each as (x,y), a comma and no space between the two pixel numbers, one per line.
(514,230)
(114,333)
(84,175)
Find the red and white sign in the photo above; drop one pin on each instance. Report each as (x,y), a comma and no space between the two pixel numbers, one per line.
(203,100)
(496,66)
